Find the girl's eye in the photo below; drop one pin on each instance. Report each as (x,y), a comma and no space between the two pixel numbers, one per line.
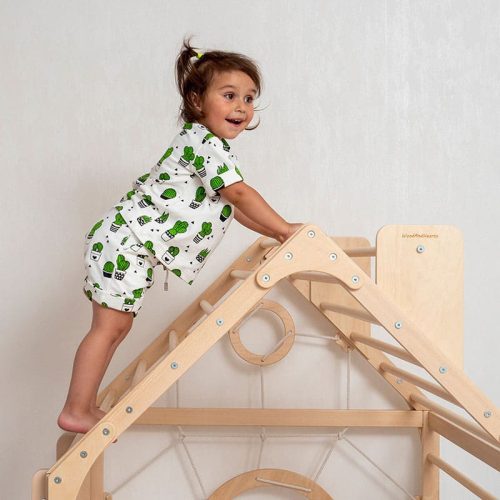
(248,99)
(229,95)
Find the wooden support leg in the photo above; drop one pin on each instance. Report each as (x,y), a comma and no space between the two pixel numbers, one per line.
(430,473)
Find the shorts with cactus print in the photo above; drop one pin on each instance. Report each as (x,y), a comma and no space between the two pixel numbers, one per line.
(119,268)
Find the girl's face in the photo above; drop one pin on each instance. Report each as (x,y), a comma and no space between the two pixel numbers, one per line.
(227,104)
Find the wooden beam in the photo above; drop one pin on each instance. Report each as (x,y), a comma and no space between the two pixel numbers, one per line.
(280,417)
(430,473)
(461,478)
(384,346)
(483,450)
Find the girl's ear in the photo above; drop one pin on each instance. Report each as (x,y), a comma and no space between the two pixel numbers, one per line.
(195,99)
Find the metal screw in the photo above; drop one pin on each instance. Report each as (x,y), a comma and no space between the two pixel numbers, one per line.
(355,279)
(105,431)
(443,369)
(399,381)
(289,256)
(487,414)
(57,480)
(219,322)
(173,365)
(266,278)
(398,325)
(420,249)
(83,454)
(129,409)
(333,256)
(311,234)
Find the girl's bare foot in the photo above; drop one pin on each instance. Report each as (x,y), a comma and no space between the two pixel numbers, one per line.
(79,422)
(98,412)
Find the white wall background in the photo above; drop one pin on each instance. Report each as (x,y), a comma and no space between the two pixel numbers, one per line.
(376,112)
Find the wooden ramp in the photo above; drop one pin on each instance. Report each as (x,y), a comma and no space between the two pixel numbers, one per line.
(417,299)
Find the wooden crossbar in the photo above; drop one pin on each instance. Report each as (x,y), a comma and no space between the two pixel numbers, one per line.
(461,478)
(384,346)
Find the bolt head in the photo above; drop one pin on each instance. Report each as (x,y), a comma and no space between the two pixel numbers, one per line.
(311,234)
(398,325)
(333,256)
(289,256)
(129,409)
(443,369)
(173,365)
(105,431)
(219,322)
(266,278)
(57,480)
(83,454)
(355,279)
(487,413)
(420,249)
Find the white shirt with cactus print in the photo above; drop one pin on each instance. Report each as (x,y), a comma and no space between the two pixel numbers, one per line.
(175,209)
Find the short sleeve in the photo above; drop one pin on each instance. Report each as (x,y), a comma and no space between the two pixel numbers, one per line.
(215,165)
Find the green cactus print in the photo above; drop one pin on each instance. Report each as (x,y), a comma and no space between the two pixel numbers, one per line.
(95,227)
(185,128)
(95,254)
(164,177)
(96,285)
(198,198)
(163,218)
(107,270)
(146,201)
(169,194)
(238,171)
(167,153)
(138,293)
(199,166)
(121,263)
(216,183)
(225,145)
(187,157)
(119,221)
(222,169)
(178,228)
(148,245)
(174,250)
(149,277)
(170,254)
(206,229)
(225,213)
(124,240)
(142,179)
(128,305)
(88,293)
(129,195)
(202,255)
(177,272)
(207,137)
(144,219)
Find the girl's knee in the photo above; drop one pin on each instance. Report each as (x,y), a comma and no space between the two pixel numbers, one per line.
(114,324)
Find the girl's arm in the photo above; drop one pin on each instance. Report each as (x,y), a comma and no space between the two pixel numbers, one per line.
(249,223)
(257,214)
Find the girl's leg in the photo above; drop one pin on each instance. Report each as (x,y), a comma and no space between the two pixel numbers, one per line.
(109,327)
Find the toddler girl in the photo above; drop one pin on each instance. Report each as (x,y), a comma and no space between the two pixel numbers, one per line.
(175,216)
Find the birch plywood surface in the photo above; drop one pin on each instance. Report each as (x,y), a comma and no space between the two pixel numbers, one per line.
(421,267)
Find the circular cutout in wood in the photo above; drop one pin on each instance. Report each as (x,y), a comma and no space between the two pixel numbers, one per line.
(281,349)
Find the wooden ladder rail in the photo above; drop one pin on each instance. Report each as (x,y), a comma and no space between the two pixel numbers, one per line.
(66,476)
(313,250)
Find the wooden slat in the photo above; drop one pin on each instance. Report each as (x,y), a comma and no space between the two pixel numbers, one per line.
(461,478)
(483,450)
(280,417)
(430,473)
(384,346)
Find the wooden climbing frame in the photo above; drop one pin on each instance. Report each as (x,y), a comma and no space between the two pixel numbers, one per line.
(417,298)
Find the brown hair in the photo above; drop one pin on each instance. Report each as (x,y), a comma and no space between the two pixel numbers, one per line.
(194,72)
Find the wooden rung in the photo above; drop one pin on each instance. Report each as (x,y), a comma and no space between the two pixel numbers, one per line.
(419,381)
(463,423)
(108,401)
(458,476)
(240,274)
(173,340)
(206,306)
(349,311)
(269,243)
(139,373)
(361,252)
(311,276)
(384,346)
